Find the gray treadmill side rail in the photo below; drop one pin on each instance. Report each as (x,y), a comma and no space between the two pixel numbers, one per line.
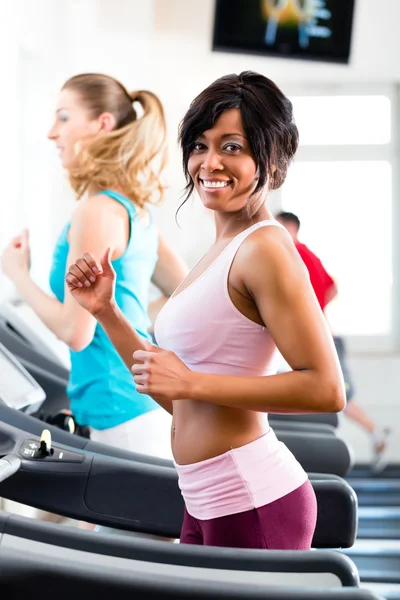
(273,561)
(323,418)
(301,426)
(316,452)
(21,574)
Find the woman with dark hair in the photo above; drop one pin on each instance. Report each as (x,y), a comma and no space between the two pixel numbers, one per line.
(215,368)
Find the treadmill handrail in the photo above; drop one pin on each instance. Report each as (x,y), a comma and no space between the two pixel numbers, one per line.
(9,465)
(26,572)
(281,561)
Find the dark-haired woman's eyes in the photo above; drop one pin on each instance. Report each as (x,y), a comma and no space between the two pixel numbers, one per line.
(198,147)
(232,148)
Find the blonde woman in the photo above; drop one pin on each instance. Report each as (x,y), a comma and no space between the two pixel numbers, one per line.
(114,160)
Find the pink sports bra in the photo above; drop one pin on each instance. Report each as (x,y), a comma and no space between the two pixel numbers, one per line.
(205,329)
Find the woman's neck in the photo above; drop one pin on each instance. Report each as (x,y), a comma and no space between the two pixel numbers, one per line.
(227,225)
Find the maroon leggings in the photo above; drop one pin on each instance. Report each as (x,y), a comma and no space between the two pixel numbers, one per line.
(285,524)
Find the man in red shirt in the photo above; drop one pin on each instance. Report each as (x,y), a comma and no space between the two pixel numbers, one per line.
(325,290)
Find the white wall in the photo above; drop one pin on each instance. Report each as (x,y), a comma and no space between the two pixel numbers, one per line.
(55,41)
(10,131)
(164,45)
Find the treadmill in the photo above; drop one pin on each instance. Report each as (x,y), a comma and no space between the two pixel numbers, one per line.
(61,478)
(391,471)
(22,574)
(377,491)
(379,500)
(379,522)
(377,549)
(81,484)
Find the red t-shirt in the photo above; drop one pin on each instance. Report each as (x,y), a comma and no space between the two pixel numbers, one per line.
(320,279)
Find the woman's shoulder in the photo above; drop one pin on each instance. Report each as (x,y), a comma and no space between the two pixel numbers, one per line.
(270,238)
(94,222)
(96,207)
(267,250)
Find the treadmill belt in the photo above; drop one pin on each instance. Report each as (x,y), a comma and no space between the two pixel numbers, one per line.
(379,523)
(377,567)
(376,492)
(392,471)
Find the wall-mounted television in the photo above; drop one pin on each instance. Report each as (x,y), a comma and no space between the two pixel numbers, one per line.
(307,29)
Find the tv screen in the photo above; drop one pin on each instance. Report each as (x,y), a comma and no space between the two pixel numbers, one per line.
(308,29)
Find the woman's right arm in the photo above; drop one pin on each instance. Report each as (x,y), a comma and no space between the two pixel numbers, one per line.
(98,299)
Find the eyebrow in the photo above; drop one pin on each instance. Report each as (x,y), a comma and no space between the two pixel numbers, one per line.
(226,135)
(60,109)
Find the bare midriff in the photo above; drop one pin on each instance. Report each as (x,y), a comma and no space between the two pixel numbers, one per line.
(201,430)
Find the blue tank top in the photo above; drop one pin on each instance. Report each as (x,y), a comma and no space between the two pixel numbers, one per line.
(101,389)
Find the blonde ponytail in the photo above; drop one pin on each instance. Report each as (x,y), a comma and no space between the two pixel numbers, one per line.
(132,156)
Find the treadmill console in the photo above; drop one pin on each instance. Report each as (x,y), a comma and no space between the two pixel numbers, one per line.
(44,451)
(31,450)
(17,388)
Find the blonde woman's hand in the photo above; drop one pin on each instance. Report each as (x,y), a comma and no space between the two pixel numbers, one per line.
(16,257)
(92,282)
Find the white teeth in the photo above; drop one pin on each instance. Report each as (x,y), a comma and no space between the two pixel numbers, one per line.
(215,184)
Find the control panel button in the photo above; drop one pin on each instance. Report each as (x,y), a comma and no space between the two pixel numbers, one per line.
(31,450)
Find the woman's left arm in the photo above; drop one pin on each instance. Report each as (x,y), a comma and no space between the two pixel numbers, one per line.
(275,277)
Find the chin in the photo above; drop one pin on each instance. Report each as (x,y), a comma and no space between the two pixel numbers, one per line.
(211,204)
(222,206)
(67,163)
(218,207)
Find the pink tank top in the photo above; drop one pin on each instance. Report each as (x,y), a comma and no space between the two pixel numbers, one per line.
(207,332)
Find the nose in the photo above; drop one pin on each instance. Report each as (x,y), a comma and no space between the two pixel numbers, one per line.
(52,135)
(212,161)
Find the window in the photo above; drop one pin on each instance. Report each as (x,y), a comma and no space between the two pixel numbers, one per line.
(345,210)
(341,187)
(328,120)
